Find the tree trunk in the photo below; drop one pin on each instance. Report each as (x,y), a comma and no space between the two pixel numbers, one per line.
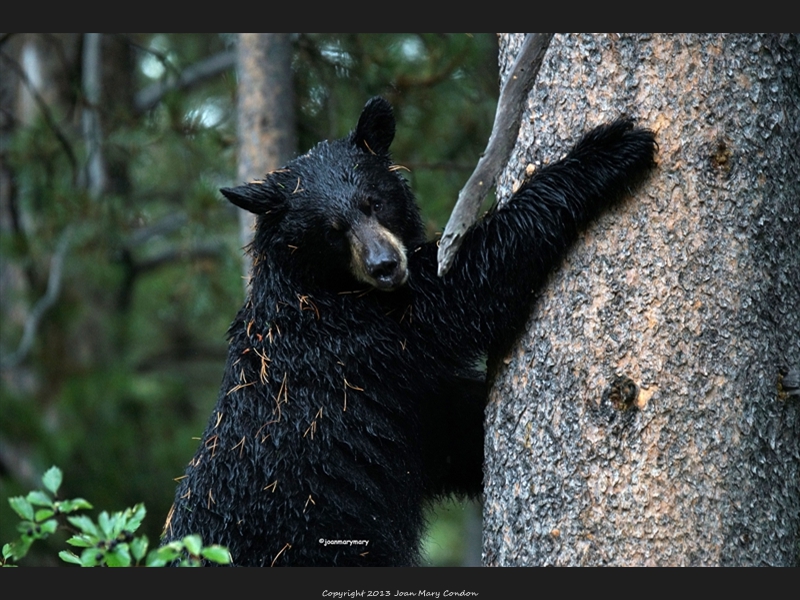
(37,83)
(641,419)
(266,129)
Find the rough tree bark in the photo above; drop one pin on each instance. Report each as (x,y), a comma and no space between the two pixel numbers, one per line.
(689,290)
(266,128)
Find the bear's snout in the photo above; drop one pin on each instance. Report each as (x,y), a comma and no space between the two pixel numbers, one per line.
(378,256)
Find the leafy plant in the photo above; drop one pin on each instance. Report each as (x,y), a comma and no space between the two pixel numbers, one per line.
(110,541)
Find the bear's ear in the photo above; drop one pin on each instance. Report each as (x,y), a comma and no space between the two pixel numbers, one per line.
(258,197)
(375,129)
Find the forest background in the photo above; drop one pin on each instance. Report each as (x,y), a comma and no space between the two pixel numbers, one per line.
(121,264)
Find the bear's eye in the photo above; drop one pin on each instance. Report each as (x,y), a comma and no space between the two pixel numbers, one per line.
(371,207)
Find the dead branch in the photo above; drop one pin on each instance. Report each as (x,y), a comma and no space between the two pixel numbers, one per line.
(44,303)
(205,69)
(171,255)
(501,142)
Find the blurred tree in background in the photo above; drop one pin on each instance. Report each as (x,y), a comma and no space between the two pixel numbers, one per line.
(121,264)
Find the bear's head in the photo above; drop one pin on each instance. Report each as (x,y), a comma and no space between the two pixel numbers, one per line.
(339,214)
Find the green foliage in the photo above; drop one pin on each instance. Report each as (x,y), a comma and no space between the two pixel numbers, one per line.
(108,542)
(453,537)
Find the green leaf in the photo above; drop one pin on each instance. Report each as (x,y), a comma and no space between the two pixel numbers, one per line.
(217,554)
(91,557)
(189,561)
(120,557)
(85,525)
(82,541)
(69,557)
(118,524)
(105,523)
(52,479)
(8,551)
(154,561)
(68,506)
(165,554)
(43,514)
(139,548)
(39,498)
(135,520)
(193,544)
(49,526)
(20,548)
(22,507)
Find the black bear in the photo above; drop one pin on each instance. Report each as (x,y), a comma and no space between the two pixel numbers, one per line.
(351,394)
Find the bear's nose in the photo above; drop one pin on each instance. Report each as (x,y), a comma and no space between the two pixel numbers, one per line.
(384,268)
(378,256)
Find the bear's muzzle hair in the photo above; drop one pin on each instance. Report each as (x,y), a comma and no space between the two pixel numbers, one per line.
(378,257)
